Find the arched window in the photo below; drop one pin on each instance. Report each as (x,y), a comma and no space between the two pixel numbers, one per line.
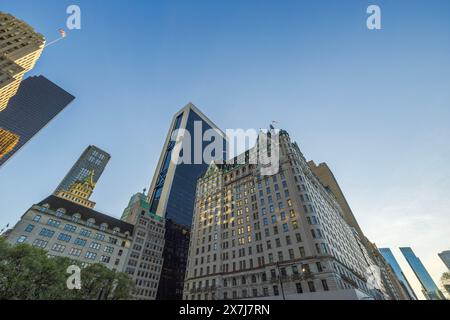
(116,230)
(76,217)
(103,226)
(60,212)
(90,222)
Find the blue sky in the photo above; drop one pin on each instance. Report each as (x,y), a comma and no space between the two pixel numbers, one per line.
(375,105)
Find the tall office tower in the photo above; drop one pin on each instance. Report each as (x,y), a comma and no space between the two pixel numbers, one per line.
(172,193)
(445,257)
(145,258)
(392,285)
(67,229)
(429,288)
(36,103)
(280,236)
(329,181)
(93,161)
(20,48)
(390,258)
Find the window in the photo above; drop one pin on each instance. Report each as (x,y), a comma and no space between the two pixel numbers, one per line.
(90,255)
(299,287)
(85,233)
(60,212)
(70,228)
(108,249)
(46,233)
(76,217)
(90,223)
(100,237)
(294,270)
(40,243)
(75,252)
(95,246)
(312,287)
(319,267)
(275,291)
(58,247)
(53,223)
(64,237)
(105,259)
(29,228)
(21,239)
(302,252)
(80,242)
(285,227)
(37,218)
(325,285)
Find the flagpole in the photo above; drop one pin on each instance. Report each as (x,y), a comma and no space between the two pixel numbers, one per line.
(53,42)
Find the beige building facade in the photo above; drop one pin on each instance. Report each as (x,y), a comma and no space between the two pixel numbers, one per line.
(271,237)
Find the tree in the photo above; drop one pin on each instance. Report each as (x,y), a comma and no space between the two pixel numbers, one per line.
(28,273)
(445,280)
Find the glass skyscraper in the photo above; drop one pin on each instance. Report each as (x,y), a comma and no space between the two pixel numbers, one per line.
(172,195)
(429,288)
(36,103)
(389,257)
(92,160)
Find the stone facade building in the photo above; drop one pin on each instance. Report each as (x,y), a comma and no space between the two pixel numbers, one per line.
(271,237)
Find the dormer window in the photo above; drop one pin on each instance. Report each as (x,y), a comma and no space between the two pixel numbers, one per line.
(90,223)
(103,227)
(60,212)
(76,217)
(116,230)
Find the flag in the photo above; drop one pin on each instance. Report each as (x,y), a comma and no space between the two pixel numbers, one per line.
(62,32)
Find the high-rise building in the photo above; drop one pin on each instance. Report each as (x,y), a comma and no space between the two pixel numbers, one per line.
(145,258)
(172,193)
(92,162)
(328,180)
(36,103)
(271,237)
(429,288)
(445,257)
(20,48)
(391,285)
(390,258)
(67,229)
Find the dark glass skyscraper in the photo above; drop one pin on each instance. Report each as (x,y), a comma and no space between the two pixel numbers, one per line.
(390,258)
(429,288)
(36,103)
(93,159)
(172,195)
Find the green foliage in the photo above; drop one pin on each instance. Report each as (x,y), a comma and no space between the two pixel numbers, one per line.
(27,273)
